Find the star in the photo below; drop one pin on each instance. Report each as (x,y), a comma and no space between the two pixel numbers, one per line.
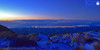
(97,3)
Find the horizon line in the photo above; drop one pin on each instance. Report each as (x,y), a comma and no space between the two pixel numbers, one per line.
(49,19)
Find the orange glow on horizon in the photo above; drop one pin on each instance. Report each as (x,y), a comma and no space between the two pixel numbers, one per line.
(9,19)
(6,16)
(23,18)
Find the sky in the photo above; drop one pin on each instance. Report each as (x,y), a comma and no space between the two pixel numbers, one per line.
(50,9)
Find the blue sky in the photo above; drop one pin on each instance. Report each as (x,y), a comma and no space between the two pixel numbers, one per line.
(50,9)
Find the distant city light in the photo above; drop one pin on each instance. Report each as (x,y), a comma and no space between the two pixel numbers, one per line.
(97,3)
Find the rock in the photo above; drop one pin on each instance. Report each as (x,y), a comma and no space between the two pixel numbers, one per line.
(22,36)
(96,45)
(23,43)
(33,37)
(5,32)
(43,37)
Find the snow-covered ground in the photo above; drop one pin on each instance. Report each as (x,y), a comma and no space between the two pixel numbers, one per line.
(85,40)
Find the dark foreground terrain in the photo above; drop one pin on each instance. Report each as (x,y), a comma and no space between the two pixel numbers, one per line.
(10,40)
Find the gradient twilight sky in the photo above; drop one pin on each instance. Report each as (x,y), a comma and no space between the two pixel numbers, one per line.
(49,9)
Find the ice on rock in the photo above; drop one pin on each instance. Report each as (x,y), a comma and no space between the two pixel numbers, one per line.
(43,37)
(43,40)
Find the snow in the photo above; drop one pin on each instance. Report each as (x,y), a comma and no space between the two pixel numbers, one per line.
(59,42)
(4,42)
(61,46)
(43,37)
(89,47)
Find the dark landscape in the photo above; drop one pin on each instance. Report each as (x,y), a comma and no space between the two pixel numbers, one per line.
(38,36)
(44,39)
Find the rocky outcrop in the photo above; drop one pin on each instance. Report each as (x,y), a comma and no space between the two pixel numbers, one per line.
(15,40)
(33,37)
(5,32)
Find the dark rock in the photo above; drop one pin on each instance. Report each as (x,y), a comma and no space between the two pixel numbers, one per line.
(23,43)
(5,32)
